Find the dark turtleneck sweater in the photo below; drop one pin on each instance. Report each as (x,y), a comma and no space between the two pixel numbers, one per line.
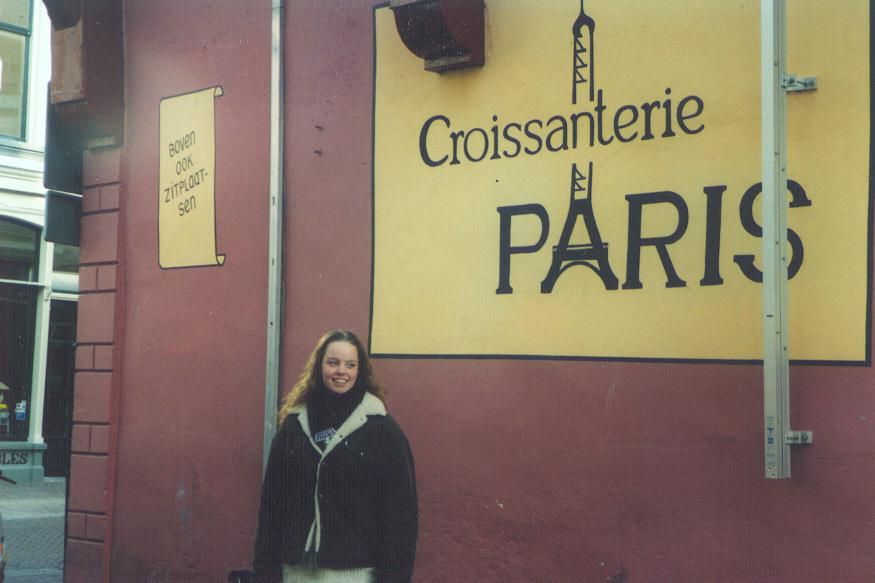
(327,410)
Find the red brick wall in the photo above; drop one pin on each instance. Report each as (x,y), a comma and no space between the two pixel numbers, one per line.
(188,344)
(536,471)
(528,471)
(90,500)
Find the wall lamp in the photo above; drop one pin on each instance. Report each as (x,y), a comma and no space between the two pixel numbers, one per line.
(446,34)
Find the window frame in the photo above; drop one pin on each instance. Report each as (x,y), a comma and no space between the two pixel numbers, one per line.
(27,33)
(37,72)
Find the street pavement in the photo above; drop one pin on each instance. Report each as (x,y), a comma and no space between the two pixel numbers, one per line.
(33,522)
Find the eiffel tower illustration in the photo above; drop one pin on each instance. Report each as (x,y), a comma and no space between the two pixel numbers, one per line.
(594,254)
(583,69)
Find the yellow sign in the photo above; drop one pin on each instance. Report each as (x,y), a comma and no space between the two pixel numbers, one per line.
(593,190)
(186,191)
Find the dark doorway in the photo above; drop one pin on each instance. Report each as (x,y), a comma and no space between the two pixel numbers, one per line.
(60,365)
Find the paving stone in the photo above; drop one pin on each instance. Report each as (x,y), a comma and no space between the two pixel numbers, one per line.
(34,576)
(33,522)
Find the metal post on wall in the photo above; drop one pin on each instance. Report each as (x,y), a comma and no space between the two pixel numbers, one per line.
(275,236)
(35,407)
(776,382)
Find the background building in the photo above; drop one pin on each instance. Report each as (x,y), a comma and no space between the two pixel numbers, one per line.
(38,281)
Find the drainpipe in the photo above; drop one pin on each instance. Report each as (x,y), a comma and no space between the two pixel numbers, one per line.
(275,234)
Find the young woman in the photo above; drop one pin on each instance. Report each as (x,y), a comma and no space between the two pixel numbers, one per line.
(338,503)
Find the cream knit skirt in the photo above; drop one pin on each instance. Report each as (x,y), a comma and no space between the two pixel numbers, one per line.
(302,574)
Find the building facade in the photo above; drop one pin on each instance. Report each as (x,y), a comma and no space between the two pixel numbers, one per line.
(554,254)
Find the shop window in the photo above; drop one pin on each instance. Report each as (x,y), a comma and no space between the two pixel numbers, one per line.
(19,250)
(19,260)
(15,32)
(58,400)
(18,318)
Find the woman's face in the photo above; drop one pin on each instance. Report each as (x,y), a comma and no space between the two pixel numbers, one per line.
(340,366)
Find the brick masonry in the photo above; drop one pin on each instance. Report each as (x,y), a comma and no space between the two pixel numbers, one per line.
(90,498)
(83,561)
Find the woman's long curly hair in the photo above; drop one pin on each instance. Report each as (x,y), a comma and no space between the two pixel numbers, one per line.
(311,376)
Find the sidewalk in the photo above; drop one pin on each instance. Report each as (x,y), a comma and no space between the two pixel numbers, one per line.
(33,521)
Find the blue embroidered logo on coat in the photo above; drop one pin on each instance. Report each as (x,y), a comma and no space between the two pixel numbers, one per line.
(324,435)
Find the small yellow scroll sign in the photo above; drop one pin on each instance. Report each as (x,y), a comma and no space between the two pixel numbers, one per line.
(186,188)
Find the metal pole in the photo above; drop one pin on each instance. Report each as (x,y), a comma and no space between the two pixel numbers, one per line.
(36,402)
(775,308)
(275,235)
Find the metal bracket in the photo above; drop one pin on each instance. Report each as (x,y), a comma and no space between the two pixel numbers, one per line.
(799,438)
(790,82)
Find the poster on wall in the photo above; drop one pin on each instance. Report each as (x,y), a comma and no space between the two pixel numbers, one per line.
(593,191)
(186,188)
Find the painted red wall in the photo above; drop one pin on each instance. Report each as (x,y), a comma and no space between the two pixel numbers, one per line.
(535,471)
(528,471)
(191,401)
